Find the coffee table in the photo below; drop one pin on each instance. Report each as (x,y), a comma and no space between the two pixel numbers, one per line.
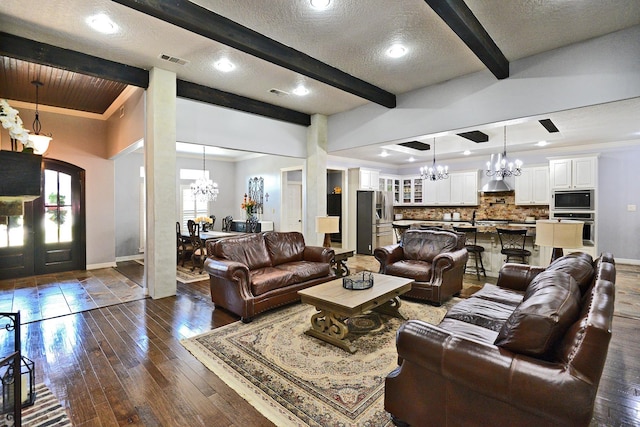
(336,304)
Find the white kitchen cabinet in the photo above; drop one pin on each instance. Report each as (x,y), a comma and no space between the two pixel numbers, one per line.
(532,187)
(412,190)
(369,179)
(437,192)
(573,173)
(392,184)
(464,188)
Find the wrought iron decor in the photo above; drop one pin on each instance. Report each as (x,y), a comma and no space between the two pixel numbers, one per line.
(256,193)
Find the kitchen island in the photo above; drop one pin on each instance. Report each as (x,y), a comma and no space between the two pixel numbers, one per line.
(488,238)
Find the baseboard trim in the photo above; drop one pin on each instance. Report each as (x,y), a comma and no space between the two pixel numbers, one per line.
(129,257)
(627,261)
(101,265)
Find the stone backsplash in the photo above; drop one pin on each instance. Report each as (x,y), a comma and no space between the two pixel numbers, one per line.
(492,206)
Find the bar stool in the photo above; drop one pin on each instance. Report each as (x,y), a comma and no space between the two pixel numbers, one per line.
(513,242)
(473,248)
(399,230)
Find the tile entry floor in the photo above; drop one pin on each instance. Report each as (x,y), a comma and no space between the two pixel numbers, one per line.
(52,295)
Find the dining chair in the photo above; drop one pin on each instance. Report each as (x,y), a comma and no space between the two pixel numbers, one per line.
(226,223)
(184,248)
(252,224)
(199,253)
(513,242)
(213,221)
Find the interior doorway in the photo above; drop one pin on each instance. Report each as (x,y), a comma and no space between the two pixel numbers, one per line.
(292,208)
(50,235)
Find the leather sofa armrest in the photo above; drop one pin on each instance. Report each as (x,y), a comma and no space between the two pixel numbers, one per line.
(517,276)
(318,254)
(226,269)
(388,255)
(447,262)
(489,370)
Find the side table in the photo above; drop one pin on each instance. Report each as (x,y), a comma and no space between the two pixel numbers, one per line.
(340,261)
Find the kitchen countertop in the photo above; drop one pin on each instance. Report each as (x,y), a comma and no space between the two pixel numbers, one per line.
(481,228)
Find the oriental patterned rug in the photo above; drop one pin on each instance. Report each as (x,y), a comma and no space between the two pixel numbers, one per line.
(297,380)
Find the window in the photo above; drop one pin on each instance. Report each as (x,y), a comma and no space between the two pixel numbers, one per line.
(58,218)
(11,231)
(190,207)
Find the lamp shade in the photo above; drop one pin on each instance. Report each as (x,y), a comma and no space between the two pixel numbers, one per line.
(40,143)
(327,225)
(559,235)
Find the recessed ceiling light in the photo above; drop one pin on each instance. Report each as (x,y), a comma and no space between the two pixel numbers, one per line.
(411,159)
(384,154)
(320,4)
(102,23)
(396,51)
(300,91)
(224,65)
(542,143)
(466,152)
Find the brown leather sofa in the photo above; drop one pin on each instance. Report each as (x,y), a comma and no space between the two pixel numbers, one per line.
(435,259)
(256,272)
(528,351)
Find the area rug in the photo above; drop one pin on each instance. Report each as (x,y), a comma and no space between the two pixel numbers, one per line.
(46,411)
(297,380)
(185,275)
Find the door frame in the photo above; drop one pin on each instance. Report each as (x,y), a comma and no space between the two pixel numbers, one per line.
(284,182)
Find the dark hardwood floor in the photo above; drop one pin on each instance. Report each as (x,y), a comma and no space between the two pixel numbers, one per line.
(124,364)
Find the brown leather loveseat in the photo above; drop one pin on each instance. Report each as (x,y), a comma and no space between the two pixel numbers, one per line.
(528,351)
(259,271)
(435,259)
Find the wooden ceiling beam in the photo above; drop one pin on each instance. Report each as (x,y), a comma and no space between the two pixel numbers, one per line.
(46,54)
(206,23)
(225,99)
(457,15)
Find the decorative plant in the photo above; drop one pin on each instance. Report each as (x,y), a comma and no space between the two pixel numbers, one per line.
(13,123)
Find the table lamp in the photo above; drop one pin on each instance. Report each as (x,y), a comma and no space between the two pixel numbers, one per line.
(559,235)
(327,225)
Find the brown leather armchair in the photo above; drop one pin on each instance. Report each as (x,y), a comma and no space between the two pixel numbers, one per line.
(435,259)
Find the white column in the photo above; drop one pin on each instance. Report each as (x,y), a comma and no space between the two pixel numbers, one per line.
(316,177)
(160,173)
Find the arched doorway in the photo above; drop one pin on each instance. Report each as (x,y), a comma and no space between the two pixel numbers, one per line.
(50,236)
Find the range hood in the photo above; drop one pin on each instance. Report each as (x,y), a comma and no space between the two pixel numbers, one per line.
(496,185)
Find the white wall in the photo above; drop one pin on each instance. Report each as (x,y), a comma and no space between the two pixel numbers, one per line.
(592,72)
(206,124)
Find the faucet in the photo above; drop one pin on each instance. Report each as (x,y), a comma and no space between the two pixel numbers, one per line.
(473,218)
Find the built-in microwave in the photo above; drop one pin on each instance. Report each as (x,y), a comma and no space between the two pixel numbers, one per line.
(573,200)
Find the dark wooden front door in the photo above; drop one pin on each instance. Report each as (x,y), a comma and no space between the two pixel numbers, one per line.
(50,235)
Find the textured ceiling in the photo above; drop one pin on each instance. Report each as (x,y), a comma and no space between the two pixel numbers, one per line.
(352,36)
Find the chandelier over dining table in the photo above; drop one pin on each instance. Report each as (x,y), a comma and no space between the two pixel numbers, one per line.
(434,172)
(203,189)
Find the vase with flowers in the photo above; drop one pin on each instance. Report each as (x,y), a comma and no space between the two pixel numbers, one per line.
(248,205)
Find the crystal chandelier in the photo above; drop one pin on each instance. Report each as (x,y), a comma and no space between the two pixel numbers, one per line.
(503,167)
(434,172)
(40,143)
(204,189)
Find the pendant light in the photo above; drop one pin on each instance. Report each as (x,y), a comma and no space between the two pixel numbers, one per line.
(39,142)
(434,172)
(503,167)
(204,189)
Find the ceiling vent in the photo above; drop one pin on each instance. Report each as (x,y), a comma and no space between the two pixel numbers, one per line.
(173,59)
(475,136)
(548,125)
(416,145)
(278,92)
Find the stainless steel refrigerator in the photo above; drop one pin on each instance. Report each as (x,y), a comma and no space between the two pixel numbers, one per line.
(374,220)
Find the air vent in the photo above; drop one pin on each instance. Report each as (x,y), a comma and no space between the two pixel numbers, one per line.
(278,92)
(548,125)
(475,136)
(416,145)
(173,59)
